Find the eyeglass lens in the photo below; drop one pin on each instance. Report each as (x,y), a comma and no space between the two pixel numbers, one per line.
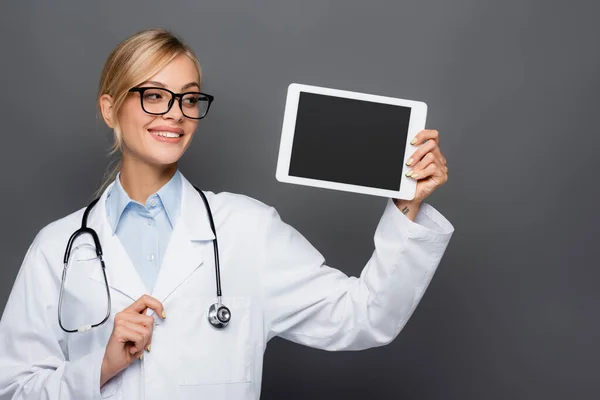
(156,101)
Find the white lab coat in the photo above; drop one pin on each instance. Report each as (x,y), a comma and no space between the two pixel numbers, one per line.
(274,282)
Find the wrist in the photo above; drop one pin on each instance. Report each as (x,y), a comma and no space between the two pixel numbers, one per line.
(408,207)
(105,374)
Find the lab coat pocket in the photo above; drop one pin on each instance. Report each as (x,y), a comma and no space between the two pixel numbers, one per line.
(112,388)
(216,356)
(82,344)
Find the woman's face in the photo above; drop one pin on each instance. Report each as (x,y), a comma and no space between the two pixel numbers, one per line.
(143,134)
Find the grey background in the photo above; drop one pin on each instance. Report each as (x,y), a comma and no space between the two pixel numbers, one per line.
(512,312)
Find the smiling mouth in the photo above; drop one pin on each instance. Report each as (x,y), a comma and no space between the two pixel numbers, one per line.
(166,134)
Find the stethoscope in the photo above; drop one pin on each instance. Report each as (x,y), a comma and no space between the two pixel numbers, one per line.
(218,314)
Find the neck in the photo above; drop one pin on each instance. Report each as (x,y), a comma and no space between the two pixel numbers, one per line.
(140,179)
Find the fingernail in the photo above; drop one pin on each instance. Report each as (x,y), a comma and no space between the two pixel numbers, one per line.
(410,160)
(415,176)
(409,173)
(164,315)
(413,141)
(148,349)
(141,356)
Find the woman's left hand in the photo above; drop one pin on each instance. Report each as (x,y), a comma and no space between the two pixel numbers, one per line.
(428,164)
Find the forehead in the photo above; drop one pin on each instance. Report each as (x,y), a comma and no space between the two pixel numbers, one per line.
(179,72)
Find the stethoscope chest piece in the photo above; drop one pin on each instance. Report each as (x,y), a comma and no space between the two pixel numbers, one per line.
(219,315)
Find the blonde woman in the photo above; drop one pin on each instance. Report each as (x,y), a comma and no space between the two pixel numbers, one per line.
(149,325)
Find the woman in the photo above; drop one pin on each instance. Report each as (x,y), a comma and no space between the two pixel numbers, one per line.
(157,246)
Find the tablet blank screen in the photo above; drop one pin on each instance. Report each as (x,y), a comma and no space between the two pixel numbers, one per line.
(349,141)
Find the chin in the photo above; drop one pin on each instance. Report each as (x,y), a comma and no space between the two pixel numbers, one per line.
(163,156)
(165,161)
(160,160)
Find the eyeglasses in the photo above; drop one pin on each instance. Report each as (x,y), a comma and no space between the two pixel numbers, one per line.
(158,101)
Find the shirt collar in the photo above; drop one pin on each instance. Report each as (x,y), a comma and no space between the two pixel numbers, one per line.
(169,195)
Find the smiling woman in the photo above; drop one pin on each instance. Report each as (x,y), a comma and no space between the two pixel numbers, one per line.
(126,83)
(149,263)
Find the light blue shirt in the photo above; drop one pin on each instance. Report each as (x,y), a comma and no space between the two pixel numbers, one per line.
(145,230)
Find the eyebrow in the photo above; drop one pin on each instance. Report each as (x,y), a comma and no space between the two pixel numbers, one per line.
(156,83)
(189,85)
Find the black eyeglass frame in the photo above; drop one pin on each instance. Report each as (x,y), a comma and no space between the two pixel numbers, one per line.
(178,96)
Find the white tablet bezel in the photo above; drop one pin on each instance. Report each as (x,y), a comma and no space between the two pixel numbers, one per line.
(418,116)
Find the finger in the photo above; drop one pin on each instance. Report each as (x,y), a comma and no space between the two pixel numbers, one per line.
(139,319)
(427,160)
(131,316)
(425,135)
(430,170)
(144,302)
(132,332)
(427,147)
(420,152)
(139,354)
(435,172)
(438,153)
(445,170)
(125,335)
(146,333)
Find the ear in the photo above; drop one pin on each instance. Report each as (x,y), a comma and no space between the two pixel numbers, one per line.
(106,107)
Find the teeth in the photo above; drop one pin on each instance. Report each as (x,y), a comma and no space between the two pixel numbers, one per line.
(167,134)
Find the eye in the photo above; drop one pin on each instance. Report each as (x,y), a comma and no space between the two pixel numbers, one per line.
(152,96)
(191,100)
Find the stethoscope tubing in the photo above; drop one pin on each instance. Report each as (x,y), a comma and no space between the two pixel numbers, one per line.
(218,315)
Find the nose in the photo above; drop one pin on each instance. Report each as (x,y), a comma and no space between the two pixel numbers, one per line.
(175,112)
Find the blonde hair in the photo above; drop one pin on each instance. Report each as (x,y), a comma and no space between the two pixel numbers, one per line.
(133,61)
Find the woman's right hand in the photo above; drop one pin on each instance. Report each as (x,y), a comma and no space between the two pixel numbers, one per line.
(131,335)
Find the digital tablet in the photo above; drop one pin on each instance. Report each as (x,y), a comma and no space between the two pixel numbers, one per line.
(349,141)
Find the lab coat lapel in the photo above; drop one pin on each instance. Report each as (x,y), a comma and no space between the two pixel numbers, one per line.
(181,259)
(120,272)
(187,246)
